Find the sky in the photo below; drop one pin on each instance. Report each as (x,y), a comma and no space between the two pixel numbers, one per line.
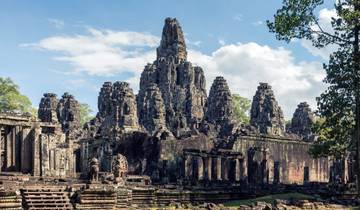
(76,45)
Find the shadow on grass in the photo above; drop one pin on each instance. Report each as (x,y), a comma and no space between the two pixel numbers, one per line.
(269,199)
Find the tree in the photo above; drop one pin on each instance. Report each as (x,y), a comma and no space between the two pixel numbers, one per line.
(241,108)
(11,99)
(339,105)
(85,113)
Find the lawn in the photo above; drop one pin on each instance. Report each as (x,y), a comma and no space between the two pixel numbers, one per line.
(269,199)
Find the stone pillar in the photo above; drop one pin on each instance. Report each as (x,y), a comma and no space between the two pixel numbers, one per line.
(237,169)
(218,168)
(242,169)
(264,167)
(208,168)
(8,150)
(225,169)
(17,148)
(84,153)
(187,167)
(200,168)
(13,146)
(36,151)
(2,139)
(26,150)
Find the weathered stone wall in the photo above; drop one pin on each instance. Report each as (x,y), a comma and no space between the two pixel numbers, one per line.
(169,149)
(291,155)
(56,156)
(38,148)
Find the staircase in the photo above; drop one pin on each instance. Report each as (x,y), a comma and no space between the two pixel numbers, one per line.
(124,198)
(97,197)
(143,196)
(10,200)
(46,197)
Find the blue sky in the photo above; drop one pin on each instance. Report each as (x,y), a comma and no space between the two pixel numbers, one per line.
(75,46)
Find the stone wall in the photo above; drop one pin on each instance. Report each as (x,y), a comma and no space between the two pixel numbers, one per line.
(37,148)
(291,157)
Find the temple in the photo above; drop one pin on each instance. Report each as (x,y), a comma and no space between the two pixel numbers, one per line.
(170,133)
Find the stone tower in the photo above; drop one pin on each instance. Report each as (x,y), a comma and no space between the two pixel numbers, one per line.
(302,121)
(68,113)
(123,112)
(172,41)
(151,109)
(220,109)
(266,115)
(104,99)
(47,108)
(182,86)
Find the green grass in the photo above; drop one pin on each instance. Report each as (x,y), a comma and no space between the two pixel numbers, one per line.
(269,199)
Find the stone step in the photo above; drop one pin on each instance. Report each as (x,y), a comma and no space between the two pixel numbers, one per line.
(10,200)
(98,201)
(11,205)
(46,197)
(51,208)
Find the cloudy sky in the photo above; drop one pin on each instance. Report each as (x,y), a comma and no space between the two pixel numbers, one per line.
(76,45)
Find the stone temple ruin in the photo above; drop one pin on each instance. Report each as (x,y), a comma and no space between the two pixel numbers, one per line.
(169,134)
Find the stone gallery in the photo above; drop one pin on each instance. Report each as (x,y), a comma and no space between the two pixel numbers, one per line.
(168,142)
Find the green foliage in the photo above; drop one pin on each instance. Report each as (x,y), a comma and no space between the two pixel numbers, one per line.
(241,108)
(332,140)
(294,19)
(11,99)
(337,105)
(85,113)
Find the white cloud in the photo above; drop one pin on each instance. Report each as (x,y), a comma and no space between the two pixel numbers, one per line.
(102,52)
(325,18)
(105,52)
(238,17)
(221,41)
(258,23)
(58,24)
(245,65)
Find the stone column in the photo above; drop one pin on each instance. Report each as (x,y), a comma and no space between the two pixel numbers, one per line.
(237,169)
(25,150)
(218,168)
(242,169)
(200,168)
(208,168)
(8,150)
(225,169)
(13,147)
(18,145)
(264,167)
(2,139)
(36,151)
(187,167)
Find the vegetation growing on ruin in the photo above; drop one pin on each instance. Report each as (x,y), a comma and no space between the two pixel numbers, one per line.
(241,108)
(85,113)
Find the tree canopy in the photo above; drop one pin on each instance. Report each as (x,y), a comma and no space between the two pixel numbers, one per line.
(339,104)
(241,108)
(11,99)
(85,113)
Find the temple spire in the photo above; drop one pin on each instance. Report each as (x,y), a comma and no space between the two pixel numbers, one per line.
(172,41)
